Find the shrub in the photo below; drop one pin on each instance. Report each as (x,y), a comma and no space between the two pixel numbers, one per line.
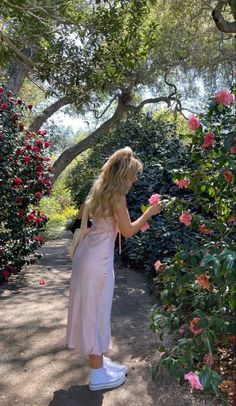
(197,285)
(25,174)
(156,144)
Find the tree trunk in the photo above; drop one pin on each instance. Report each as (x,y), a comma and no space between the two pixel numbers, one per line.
(48,112)
(71,153)
(18,72)
(221,23)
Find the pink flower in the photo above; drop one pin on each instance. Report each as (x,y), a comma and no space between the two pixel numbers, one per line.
(208,140)
(193,326)
(4,106)
(182,331)
(208,359)
(193,380)
(224,97)
(154,199)
(233,149)
(159,266)
(182,183)
(193,123)
(186,218)
(145,227)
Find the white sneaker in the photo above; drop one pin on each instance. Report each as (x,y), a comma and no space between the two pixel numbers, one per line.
(114,367)
(103,379)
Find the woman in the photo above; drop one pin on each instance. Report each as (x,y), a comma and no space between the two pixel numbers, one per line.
(92,280)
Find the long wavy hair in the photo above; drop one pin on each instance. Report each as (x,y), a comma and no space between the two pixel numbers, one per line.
(112,183)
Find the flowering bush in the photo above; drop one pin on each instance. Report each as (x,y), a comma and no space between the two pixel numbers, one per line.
(198,283)
(25,176)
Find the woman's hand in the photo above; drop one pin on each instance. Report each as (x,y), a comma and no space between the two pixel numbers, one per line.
(155,208)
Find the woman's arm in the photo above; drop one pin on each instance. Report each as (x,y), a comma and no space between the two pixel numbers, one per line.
(129,229)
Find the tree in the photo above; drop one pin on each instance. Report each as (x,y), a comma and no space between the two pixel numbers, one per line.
(114,50)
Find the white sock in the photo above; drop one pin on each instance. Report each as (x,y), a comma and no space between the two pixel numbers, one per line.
(96,370)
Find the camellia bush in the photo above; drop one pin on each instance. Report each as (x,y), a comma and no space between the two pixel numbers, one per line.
(160,150)
(197,286)
(25,176)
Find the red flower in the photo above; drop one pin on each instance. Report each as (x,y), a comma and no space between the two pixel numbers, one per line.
(208,140)
(17,181)
(28,147)
(26,159)
(39,168)
(41,132)
(21,126)
(39,143)
(39,220)
(31,217)
(35,149)
(1,90)
(46,144)
(192,326)
(18,151)
(38,194)
(19,101)
(30,106)
(4,106)
(42,282)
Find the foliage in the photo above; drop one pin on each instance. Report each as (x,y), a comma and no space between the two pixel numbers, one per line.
(25,174)
(59,208)
(197,284)
(156,144)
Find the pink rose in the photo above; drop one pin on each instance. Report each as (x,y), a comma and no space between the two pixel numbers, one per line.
(208,359)
(224,97)
(186,218)
(182,183)
(193,380)
(193,123)
(208,140)
(145,227)
(154,199)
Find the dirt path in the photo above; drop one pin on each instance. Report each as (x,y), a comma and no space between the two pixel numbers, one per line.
(37,370)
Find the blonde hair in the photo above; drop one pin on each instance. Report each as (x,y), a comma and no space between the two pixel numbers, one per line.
(111,183)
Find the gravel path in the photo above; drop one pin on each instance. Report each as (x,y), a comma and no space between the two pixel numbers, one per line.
(37,370)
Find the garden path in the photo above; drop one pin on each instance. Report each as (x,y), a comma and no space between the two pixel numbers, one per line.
(37,370)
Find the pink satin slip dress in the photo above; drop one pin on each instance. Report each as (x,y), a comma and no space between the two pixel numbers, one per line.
(91,290)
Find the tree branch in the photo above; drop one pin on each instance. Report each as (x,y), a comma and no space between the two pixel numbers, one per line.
(221,23)
(48,112)
(21,56)
(71,153)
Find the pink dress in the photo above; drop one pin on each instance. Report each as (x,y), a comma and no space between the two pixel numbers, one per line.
(91,290)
